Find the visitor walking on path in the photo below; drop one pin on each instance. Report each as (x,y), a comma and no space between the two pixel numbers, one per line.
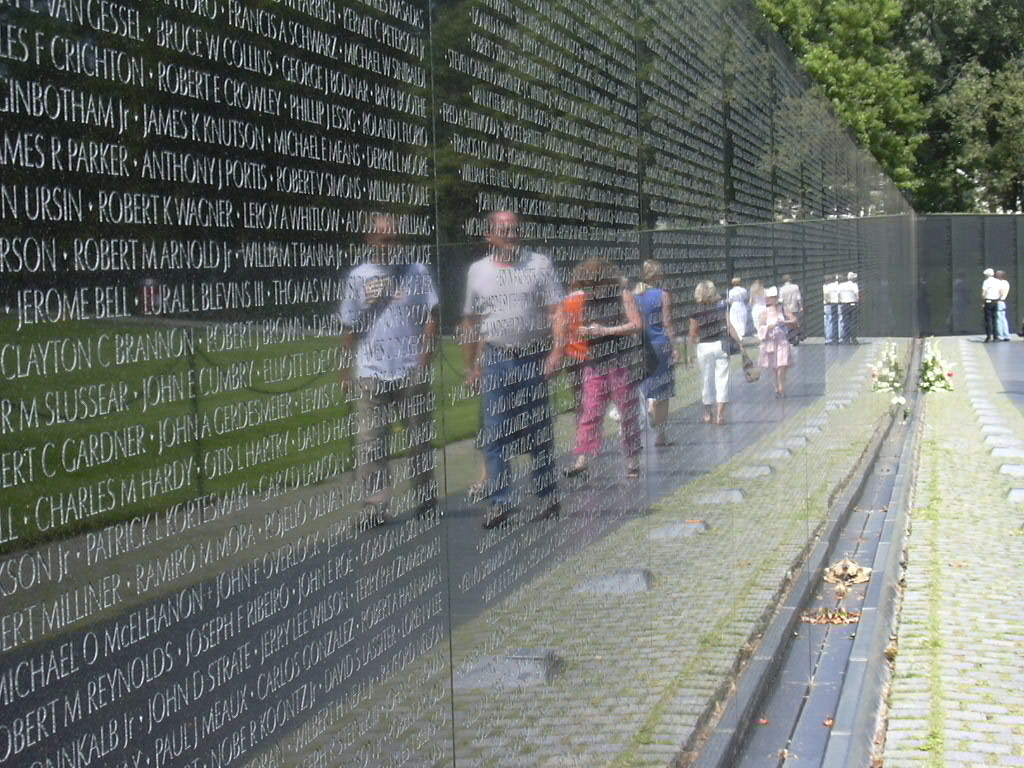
(612,326)
(774,335)
(511,297)
(739,312)
(1002,324)
(991,290)
(655,305)
(710,332)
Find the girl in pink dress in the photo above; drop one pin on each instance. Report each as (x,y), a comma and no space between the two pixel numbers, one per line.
(773,331)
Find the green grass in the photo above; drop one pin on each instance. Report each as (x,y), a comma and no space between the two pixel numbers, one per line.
(104,492)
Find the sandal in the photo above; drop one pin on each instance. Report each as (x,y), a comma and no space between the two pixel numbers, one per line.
(633,473)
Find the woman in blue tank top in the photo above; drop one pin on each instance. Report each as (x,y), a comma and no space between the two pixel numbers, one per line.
(655,306)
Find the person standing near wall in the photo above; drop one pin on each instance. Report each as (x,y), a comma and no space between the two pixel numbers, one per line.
(611,325)
(739,313)
(849,298)
(710,331)
(790,298)
(991,289)
(389,319)
(655,305)
(773,332)
(511,298)
(757,304)
(830,302)
(1002,323)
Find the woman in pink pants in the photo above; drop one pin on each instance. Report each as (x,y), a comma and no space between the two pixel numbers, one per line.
(611,326)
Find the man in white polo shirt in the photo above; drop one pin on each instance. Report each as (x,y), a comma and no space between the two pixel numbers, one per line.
(511,297)
(991,290)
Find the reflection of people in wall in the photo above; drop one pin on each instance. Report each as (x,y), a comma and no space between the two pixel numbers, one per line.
(790,298)
(1002,324)
(389,315)
(991,290)
(655,305)
(830,302)
(739,313)
(961,303)
(774,335)
(611,326)
(757,304)
(511,297)
(849,298)
(710,330)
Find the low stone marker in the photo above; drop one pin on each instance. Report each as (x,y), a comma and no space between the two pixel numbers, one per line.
(520,668)
(622,581)
(680,530)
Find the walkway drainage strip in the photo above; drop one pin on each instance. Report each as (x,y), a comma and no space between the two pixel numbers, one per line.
(855,723)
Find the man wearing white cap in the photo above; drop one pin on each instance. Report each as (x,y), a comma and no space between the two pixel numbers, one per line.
(849,297)
(991,290)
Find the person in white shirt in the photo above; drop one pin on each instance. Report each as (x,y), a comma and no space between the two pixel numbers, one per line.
(511,297)
(849,297)
(790,298)
(738,312)
(830,299)
(1002,325)
(991,290)
(389,321)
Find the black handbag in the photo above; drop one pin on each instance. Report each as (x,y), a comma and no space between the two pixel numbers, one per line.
(650,359)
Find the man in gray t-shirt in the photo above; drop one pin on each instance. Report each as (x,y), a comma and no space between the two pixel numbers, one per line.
(511,297)
(389,316)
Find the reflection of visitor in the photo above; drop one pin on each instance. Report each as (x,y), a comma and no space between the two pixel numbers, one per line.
(655,305)
(774,335)
(611,324)
(790,298)
(511,297)
(739,313)
(849,298)
(1002,324)
(961,303)
(756,307)
(991,289)
(709,333)
(830,302)
(389,315)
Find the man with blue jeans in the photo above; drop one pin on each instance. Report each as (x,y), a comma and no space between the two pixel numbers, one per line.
(830,297)
(511,296)
(1002,324)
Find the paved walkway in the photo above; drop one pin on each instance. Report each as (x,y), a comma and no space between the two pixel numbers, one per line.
(957,696)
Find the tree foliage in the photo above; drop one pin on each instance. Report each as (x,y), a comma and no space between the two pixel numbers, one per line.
(933,88)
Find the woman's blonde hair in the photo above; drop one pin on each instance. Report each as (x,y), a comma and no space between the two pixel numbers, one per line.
(705,292)
(737,280)
(651,272)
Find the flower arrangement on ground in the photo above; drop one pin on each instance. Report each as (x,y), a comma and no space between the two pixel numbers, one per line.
(887,376)
(936,372)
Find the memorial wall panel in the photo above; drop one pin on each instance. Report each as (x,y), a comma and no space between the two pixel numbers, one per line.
(313,311)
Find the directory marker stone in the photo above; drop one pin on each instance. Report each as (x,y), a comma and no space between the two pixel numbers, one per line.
(622,581)
(521,668)
(724,496)
(679,530)
(754,470)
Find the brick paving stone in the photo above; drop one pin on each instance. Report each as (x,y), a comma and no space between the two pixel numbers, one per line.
(961,631)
